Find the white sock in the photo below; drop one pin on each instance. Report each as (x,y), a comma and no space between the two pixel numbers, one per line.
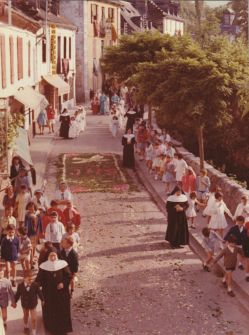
(229,289)
(223,280)
(34,332)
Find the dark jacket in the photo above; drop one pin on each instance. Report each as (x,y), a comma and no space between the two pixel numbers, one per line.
(29,298)
(235,231)
(10,249)
(71,259)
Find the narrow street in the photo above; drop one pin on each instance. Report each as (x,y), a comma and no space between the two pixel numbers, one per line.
(129,281)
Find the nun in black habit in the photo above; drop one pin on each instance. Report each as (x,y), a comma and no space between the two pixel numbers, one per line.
(54,277)
(177,230)
(131,117)
(65,124)
(128,142)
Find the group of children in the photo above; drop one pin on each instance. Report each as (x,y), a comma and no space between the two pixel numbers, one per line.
(30,230)
(169,166)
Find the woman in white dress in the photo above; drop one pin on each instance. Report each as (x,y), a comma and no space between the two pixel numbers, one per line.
(218,220)
(243,208)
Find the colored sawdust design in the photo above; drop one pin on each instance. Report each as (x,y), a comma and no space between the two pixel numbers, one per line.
(94,173)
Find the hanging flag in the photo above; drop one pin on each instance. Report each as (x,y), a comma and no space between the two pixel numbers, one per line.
(114,34)
(95,28)
(95,68)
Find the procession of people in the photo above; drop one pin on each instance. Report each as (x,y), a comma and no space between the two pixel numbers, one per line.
(186,193)
(42,236)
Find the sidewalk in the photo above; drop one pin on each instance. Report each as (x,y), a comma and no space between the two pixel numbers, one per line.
(157,192)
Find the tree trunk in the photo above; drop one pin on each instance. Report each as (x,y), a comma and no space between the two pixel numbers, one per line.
(199,7)
(201,146)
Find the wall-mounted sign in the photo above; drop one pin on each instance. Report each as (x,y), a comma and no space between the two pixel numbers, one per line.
(53,57)
(3,140)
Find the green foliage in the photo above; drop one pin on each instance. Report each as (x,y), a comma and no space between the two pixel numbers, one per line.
(123,60)
(15,121)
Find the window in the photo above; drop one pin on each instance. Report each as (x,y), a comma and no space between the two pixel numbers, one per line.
(111,14)
(3,60)
(94,13)
(70,48)
(102,12)
(44,51)
(29,58)
(19,58)
(11,42)
(102,47)
(65,47)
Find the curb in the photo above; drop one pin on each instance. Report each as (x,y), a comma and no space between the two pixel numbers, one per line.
(194,243)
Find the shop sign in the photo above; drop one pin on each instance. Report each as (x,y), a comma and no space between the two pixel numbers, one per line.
(53,48)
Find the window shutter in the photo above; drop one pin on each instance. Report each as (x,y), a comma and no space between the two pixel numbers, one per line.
(3,60)
(11,41)
(29,59)
(20,57)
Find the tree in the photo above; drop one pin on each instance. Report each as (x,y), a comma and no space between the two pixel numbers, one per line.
(196,90)
(132,50)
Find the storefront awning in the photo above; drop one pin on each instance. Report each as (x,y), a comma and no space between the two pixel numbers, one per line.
(57,82)
(31,99)
(21,147)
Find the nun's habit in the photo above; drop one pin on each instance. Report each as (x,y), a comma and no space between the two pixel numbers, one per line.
(131,117)
(177,230)
(56,310)
(128,142)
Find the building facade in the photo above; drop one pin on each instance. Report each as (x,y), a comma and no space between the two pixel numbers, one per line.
(37,67)
(98,23)
(162,15)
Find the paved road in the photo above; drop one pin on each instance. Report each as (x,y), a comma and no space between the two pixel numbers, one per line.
(130,282)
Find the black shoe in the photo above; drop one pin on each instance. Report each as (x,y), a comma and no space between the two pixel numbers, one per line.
(206,268)
(247,279)
(241,267)
(231,293)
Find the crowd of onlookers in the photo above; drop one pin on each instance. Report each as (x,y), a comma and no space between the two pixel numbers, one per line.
(31,228)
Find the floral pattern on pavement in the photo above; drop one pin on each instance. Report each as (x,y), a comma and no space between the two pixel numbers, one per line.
(92,172)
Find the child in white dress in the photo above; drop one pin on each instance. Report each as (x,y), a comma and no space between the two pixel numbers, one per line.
(191,211)
(149,155)
(218,220)
(73,130)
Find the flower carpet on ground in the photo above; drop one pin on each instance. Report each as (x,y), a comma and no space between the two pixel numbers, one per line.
(91,172)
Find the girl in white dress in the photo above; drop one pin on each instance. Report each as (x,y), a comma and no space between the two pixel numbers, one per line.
(73,130)
(218,220)
(114,125)
(210,202)
(191,211)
